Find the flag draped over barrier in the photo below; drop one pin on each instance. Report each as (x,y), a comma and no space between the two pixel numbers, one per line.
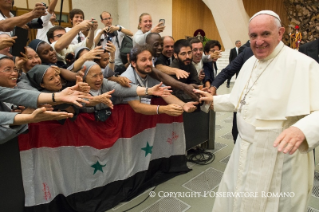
(87,165)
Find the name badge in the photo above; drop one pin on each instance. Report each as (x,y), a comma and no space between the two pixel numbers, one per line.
(146,101)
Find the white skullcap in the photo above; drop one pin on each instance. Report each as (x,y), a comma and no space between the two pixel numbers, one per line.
(266,12)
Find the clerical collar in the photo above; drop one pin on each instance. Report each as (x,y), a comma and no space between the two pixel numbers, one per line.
(275,52)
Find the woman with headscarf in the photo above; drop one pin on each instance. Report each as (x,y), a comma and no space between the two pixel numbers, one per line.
(48,56)
(93,76)
(102,58)
(47,79)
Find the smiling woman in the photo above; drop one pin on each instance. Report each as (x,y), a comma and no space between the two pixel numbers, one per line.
(8,72)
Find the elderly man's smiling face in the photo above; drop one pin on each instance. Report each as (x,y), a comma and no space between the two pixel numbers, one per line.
(265,34)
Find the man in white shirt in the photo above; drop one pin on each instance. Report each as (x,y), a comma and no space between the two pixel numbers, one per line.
(48,21)
(76,17)
(60,40)
(116,34)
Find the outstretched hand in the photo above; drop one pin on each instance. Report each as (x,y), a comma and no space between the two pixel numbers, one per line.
(105,98)
(190,107)
(73,96)
(41,114)
(204,96)
(157,90)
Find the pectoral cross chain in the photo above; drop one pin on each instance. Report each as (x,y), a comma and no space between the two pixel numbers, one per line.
(242,102)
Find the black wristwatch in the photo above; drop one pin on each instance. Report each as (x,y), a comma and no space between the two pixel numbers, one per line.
(120,29)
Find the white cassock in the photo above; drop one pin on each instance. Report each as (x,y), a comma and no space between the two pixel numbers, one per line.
(286,94)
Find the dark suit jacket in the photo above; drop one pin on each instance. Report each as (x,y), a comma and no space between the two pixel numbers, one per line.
(209,71)
(233,67)
(241,49)
(233,54)
(311,49)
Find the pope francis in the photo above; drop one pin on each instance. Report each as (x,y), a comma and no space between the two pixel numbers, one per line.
(276,96)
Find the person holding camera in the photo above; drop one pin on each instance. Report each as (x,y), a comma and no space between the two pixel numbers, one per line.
(61,41)
(144,28)
(114,34)
(48,21)
(76,17)
(8,21)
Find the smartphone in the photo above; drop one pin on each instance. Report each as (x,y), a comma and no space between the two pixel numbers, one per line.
(162,21)
(21,41)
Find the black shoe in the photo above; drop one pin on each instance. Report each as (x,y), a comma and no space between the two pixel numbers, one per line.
(227,85)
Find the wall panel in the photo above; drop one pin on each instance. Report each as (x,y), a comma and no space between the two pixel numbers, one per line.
(190,15)
(253,6)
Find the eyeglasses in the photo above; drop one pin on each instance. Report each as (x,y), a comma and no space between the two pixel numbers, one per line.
(196,50)
(59,35)
(106,19)
(10,71)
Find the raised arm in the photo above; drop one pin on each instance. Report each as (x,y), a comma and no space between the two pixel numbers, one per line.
(168,80)
(67,38)
(8,24)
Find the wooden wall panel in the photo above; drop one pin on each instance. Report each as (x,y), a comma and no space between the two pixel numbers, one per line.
(254,6)
(190,15)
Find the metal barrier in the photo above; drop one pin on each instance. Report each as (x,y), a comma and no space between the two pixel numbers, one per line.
(199,129)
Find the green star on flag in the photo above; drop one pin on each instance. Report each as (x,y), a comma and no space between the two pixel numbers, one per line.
(97,167)
(147,149)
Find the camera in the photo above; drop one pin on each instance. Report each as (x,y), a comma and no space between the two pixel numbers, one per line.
(35,23)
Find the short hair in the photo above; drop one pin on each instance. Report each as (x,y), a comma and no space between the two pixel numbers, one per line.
(180,44)
(140,19)
(138,49)
(237,41)
(104,13)
(210,44)
(167,36)
(150,35)
(51,31)
(194,40)
(75,12)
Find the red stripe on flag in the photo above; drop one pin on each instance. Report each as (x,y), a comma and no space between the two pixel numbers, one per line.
(85,131)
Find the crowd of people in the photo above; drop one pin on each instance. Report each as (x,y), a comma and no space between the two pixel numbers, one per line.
(67,71)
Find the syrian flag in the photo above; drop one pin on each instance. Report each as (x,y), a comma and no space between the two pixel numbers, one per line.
(87,165)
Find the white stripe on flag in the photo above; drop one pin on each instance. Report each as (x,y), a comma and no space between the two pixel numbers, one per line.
(48,172)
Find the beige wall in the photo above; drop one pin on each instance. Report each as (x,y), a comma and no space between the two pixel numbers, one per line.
(158,9)
(93,9)
(231,20)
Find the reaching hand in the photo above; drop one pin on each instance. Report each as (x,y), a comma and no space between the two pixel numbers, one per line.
(190,107)
(41,114)
(215,55)
(289,140)
(72,95)
(181,73)
(157,90)
(172,109)
(208,98)
(123,81)
(105,98)
(188,88)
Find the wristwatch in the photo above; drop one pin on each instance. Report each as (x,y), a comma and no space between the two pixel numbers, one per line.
(146,91)
(120,29)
